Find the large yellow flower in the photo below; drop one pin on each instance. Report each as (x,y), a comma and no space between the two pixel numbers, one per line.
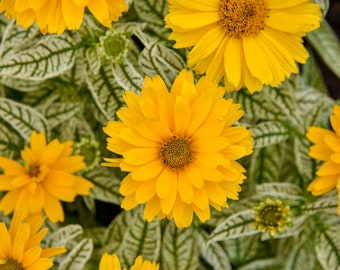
(326,148)
(180,149)
(46,177)
(111,262)
(248,42)
(20,245)
(54,16)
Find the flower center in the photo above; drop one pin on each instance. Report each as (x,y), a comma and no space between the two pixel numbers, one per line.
(34,170)
(176,152)
(271,215)
(241,18)
(11,265)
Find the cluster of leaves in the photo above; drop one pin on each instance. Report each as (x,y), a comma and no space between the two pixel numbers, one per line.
(62,85)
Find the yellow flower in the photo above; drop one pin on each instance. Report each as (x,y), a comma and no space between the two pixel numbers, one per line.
(46,177)
(111,262)
(326,148)
(20,245)
(180,149)
(54,16)
(272,216)
(248,42)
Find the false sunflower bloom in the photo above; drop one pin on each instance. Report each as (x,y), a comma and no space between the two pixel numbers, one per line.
(272,216)
(45,179)
(326,148)
(248,42)
(111,262)
(20,245)
(54,16)
(180,148)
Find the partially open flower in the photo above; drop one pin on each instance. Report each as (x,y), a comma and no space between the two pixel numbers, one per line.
(272,216)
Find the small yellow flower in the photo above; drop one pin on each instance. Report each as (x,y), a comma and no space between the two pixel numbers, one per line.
(180,148)
(326,148)
(271,216)
(54,16)
(248,42)
(20,245)
(111,262)
(45,179)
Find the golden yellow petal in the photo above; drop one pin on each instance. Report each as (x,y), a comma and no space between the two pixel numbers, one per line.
(146,191)
(323,184)
(99,9)
(147,171)
(194,175)
(129,202)
(30,256)
(202,214)
(328,168)
(321,152)
(182,115)
(53,208)
(5,247)
(317,134)
(185,189)
(128,186)
(152,209)
(194,19)
(72,14)
(139,156)
(164,184)
(109,262)
(182,213)
(201,200)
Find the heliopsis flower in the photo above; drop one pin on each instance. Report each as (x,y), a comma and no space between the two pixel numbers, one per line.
(326,148)
(180,148)
(45,179)
(272,216)
(20,245)
(54,16)
(248,42)
(111,262)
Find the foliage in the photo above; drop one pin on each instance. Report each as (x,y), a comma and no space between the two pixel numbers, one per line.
(63,86)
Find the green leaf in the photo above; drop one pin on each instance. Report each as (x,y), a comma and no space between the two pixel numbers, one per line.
(115,231)
(254,105)
(179,249)
(156,59)
(50,57)
(324,4)
(141,238)
(263,264)
(214,253)
(106,93)
(93,60)
(9,141)
(127,76)
(269,133)
(23,119)
(60,112)
(61,236)
(304,163)
(327,45)
(325,204)
(235,226)
(301,257)
(327,248)
(266,164)
(15,39)
(78,256)
(280,191)
(153,12)
(106,185)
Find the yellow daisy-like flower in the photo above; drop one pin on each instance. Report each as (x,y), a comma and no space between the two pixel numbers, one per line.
(326,148)
(180,148)
(272,216)
(248,42)
(111,262)
(45,179)
(20,245)
(54,16)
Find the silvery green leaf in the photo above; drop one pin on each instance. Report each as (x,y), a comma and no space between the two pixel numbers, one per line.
(141,238)
(49,57)
(214,253)
(106,92)
(179,249)
(278,190)
(78,256)
(127,76)
(22,118)
(61,236)
(301,257)
(327,45)
(235,226)
(263,264)
(269,133)
(157,59)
